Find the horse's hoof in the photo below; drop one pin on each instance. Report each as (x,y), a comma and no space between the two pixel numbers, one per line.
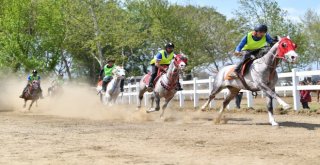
(286,107)
(151,110)
(217,121)
(273,123)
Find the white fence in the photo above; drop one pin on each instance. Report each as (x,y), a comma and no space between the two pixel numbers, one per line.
(132,90)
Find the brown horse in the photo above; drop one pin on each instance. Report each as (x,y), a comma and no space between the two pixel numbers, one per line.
(32,93)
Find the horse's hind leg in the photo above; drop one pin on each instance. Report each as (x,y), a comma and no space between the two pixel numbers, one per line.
(226,101)
(215,90)
(165,105)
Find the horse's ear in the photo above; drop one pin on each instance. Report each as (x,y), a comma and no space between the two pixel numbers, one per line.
(279,38)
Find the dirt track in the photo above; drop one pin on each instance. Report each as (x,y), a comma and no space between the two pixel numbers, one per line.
(76,129)
(34,138)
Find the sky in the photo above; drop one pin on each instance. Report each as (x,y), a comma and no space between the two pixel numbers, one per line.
(295,8)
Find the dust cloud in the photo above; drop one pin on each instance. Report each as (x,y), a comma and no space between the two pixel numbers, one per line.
(75,101)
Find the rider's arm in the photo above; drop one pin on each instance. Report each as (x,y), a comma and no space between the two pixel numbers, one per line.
(157,64)
(29,79)
(242,43)
(158,58)
(101,73)
(269,39)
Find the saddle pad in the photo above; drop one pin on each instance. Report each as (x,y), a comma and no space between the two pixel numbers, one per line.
(227,76)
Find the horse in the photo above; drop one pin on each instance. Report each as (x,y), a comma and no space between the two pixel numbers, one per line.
(113,88)
(165,87)
(55,89)
(260,76)
(32,93)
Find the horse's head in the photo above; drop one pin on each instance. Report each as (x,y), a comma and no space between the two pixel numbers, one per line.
(286,50)
(119,72)
(180,61)
(35,84)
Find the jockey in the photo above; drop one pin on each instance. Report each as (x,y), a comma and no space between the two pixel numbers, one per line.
(32,78)
(163,57)
(106,72)
(252,44)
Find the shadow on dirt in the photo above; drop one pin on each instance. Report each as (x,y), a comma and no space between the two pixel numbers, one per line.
(308,126)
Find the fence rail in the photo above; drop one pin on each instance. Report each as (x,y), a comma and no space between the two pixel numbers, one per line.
(132,89)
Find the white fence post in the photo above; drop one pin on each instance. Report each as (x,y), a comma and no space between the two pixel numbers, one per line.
(249,99)
(146,98)
(195,94)
(210,89)
(129,92)
(181,96)
(295,92)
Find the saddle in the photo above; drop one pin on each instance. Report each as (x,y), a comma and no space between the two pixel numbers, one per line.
(159,74)
(243,70)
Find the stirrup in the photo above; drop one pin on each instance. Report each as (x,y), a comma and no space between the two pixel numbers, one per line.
(150,88)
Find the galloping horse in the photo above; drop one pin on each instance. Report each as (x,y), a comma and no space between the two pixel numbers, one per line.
(261,76)
(113,88)
(32,93)
(55,90)
(166,84)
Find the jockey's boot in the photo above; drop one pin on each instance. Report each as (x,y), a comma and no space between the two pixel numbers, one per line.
(121,86)
(23,92)
(178,87)
(104,86)
(151,85)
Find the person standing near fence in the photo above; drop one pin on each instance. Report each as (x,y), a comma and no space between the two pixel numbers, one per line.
(305,97)
(238,99)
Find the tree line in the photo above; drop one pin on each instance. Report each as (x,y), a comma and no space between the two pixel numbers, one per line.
(75,37)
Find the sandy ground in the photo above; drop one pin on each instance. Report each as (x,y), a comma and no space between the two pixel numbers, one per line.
(78,130)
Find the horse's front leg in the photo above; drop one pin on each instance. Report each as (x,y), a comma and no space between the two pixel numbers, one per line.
(25,103)
(274,95)
(140,97)
(270,111)
(165,105)
(31,104)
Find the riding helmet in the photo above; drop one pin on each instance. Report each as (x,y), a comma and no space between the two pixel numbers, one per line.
(261,28)
(34,71)
(169,45)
